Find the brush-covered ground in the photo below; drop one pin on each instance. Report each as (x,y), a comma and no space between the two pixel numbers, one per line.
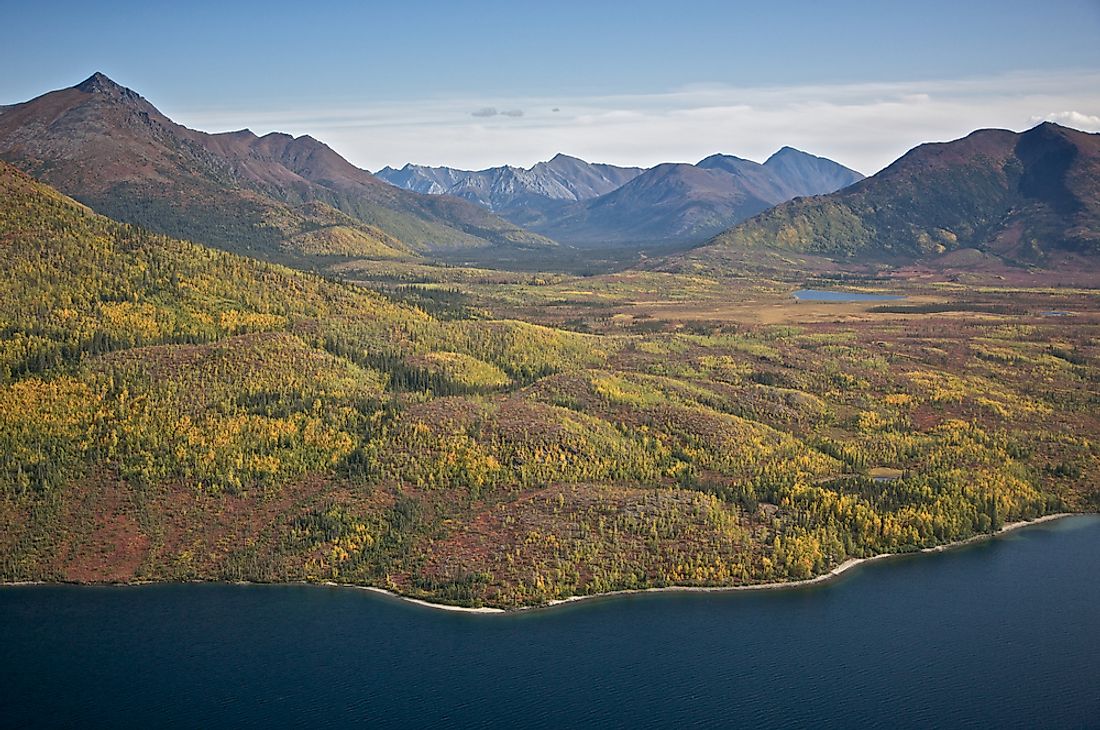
(170,412)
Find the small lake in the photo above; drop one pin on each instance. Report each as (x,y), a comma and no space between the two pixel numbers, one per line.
(832,295)
(1004,633)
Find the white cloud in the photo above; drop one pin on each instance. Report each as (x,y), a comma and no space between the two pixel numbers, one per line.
(865,126)
(1077,120)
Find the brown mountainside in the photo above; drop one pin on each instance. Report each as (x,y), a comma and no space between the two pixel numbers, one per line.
(1030,198)
(274,196)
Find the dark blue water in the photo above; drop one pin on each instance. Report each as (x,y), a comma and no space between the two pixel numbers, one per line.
(826,295)
(1005,633)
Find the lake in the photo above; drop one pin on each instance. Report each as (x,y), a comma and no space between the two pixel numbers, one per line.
(828,295)
(1003,633)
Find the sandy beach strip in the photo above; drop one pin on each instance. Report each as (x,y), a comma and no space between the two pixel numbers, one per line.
(421,602)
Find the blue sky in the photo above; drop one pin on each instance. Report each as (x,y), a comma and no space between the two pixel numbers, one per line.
(632,83)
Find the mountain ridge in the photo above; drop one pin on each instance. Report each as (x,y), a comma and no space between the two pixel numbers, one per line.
(629,205)
(524,196)
(689,203)
(107,146)
(1021,196)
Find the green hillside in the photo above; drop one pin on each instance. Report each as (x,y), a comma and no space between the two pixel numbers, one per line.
(169,411)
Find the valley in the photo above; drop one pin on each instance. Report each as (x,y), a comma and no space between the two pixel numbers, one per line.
(398,389)
(505,439)
(550,365)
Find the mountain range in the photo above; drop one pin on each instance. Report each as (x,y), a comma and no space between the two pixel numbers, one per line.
(690,203)
(275,196)
(583,204)
(1025,198)
(521,195)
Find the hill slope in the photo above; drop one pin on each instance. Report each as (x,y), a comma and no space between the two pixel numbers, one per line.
(173,412)
(688,203)
(275,196)
(1028,198)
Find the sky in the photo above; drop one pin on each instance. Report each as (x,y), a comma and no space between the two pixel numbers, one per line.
(476,84)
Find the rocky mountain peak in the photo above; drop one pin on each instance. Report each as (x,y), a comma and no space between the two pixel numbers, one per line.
(100,84)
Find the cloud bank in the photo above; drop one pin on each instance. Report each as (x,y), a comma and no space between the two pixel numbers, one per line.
(492,111)
(1077,120)
(865,126)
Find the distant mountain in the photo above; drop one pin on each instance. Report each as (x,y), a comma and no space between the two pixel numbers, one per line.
(805,174)
(682,202)
(1022,197)
(523,196)
(275,196)
(426,180)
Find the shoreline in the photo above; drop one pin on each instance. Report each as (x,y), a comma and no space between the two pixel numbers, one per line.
(836,572)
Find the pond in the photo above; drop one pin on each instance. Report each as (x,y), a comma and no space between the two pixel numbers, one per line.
(832,295)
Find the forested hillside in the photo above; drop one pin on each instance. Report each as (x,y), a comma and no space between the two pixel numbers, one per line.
(168,411)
